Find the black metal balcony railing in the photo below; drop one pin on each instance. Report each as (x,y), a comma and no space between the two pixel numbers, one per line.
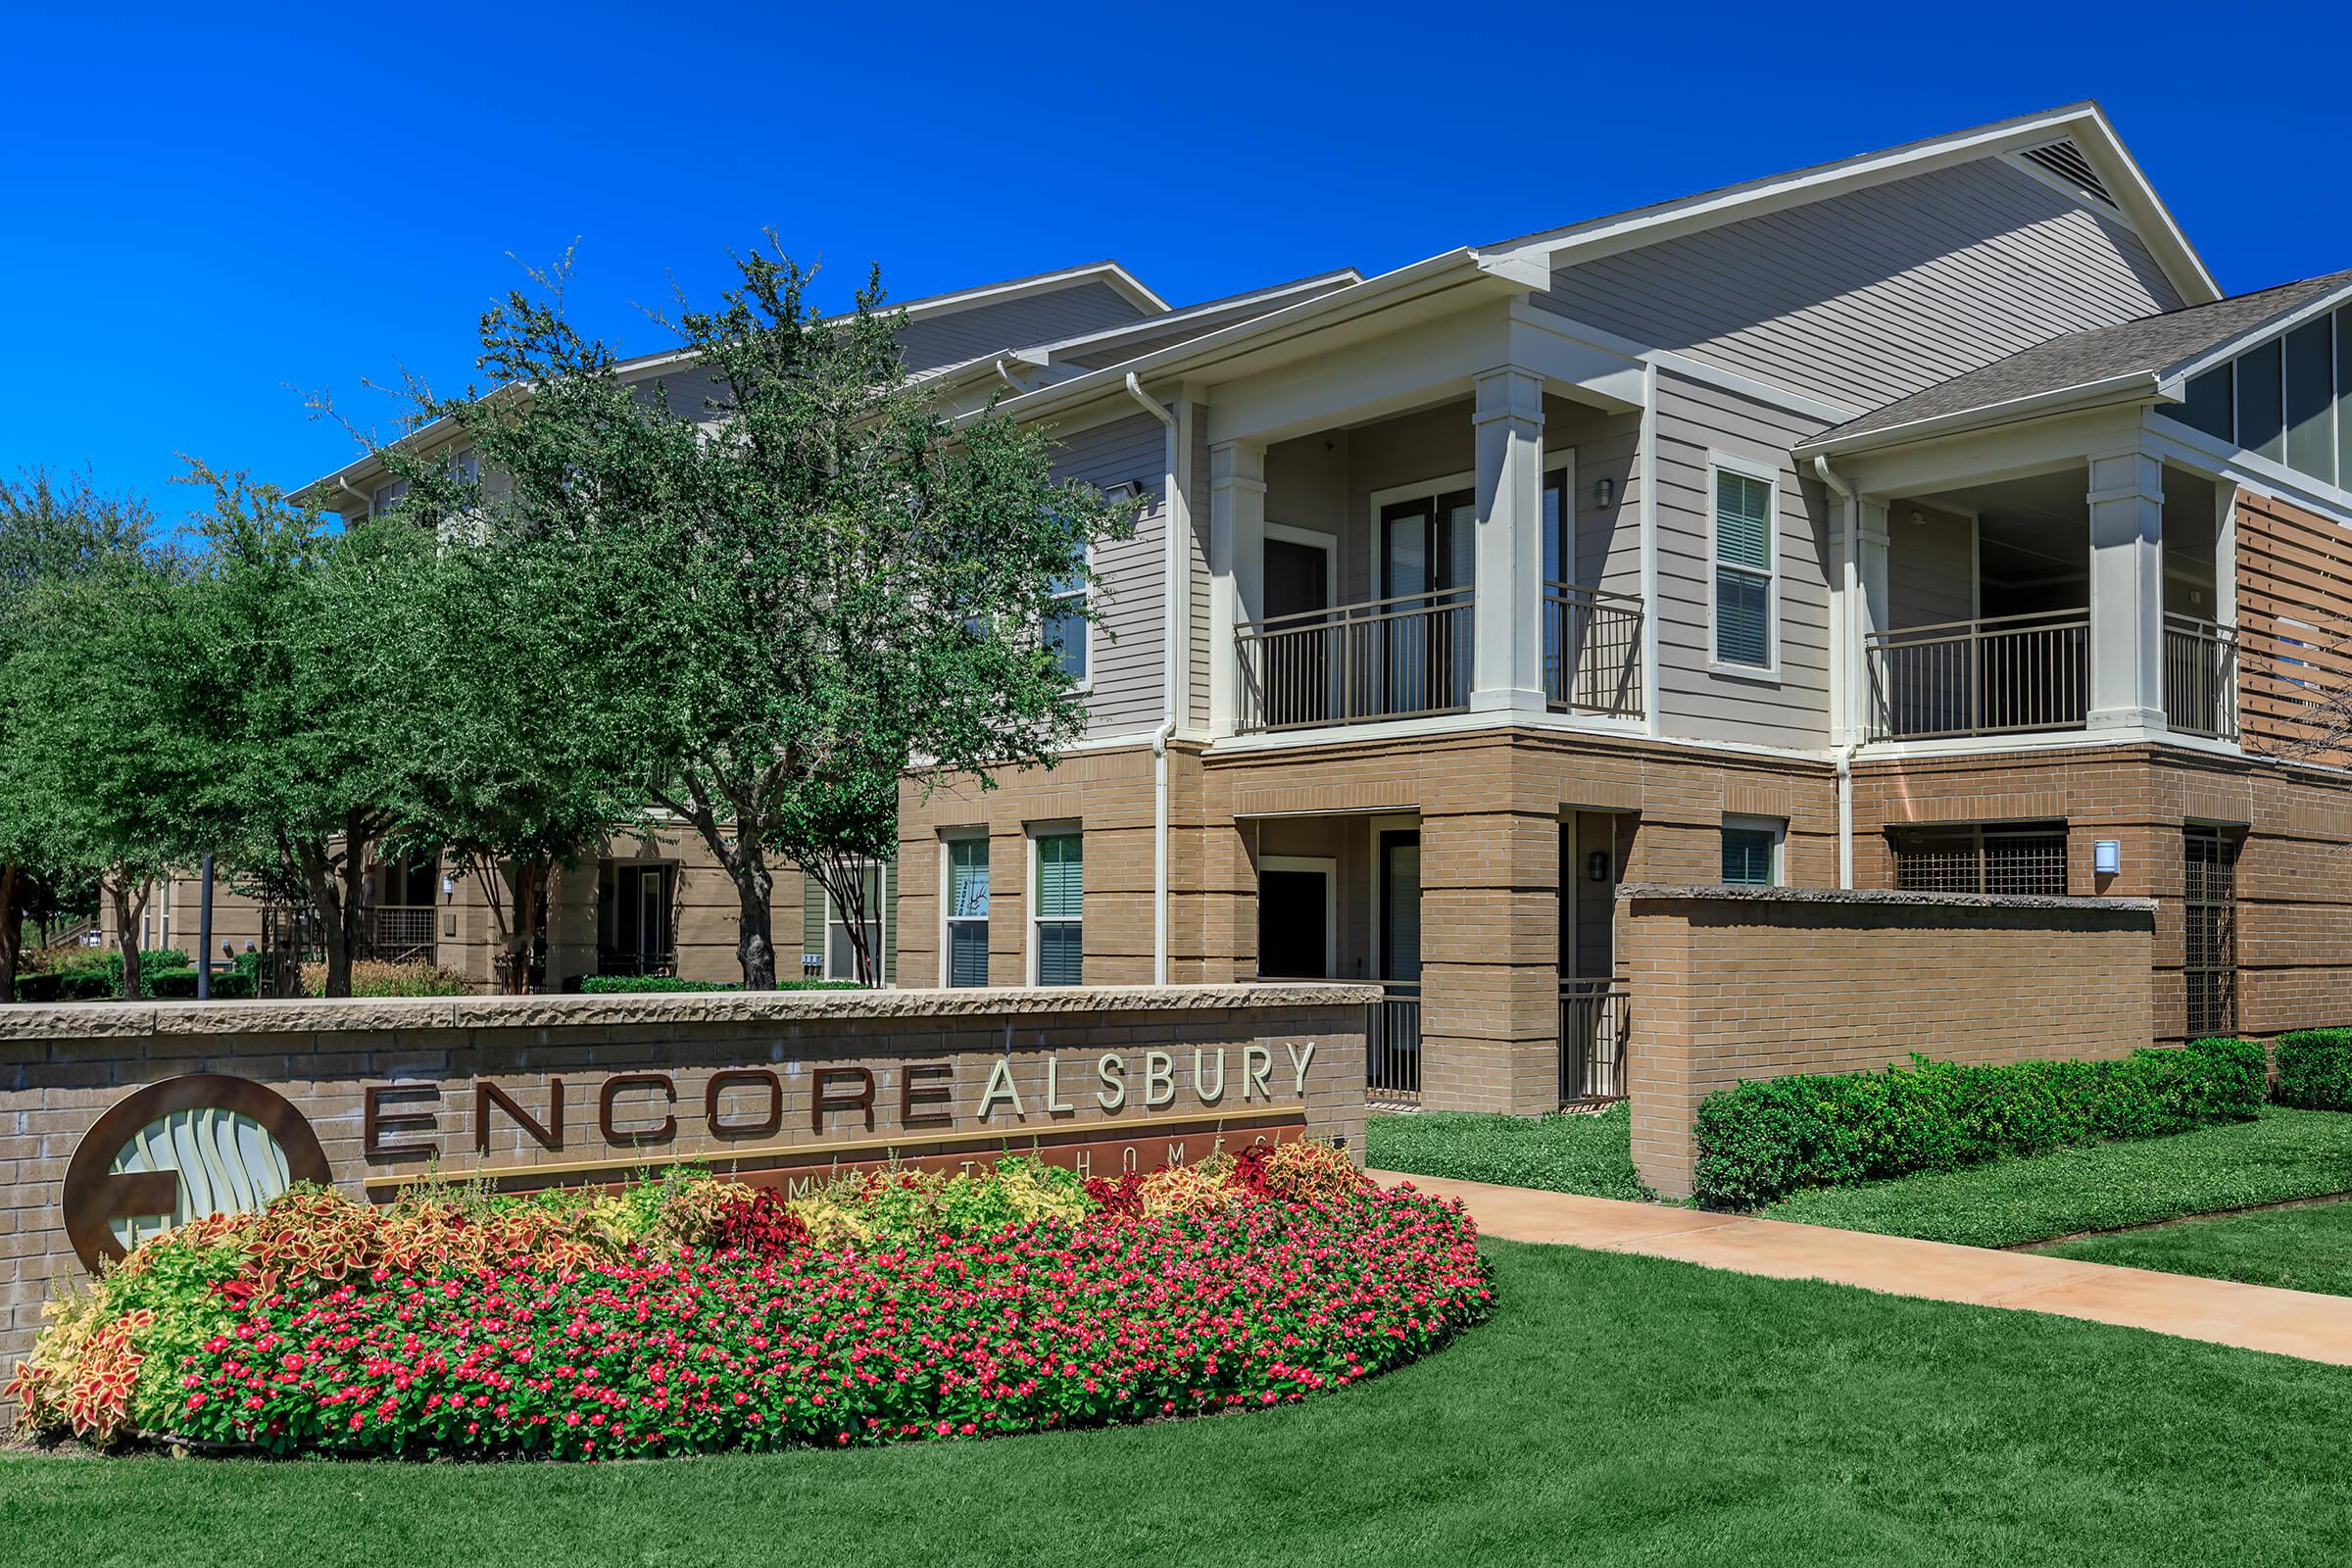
(1592,649)
(400,933)
(1393,1055)
(1595,1016)
(1405,657)
(2200,677)
(1997,677)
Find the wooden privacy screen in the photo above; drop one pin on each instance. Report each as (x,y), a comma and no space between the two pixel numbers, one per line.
(2294,617)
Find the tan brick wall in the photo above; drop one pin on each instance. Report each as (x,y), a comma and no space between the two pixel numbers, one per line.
(1728,988)
(62,1066)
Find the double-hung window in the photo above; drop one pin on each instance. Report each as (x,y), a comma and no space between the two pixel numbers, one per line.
(1057,920)
(1067,630)
(841,954)
(1745,563)
(967,911)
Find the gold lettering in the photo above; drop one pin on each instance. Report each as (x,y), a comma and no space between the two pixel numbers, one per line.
(1113,1073)
(1084,1163)
(1176,1154)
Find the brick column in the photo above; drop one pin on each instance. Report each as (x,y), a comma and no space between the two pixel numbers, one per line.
(1489,962)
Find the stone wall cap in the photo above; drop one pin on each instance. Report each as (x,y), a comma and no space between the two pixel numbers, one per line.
(95,1020)
(1723,892)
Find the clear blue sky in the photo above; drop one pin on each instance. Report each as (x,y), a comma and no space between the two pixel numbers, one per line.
(202,214)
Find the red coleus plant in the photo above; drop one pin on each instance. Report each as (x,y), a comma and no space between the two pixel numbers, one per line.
(766,1341)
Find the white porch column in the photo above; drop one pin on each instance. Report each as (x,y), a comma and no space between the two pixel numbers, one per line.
(1236,568)
(2127,591)
(1870,612)
(1506,663)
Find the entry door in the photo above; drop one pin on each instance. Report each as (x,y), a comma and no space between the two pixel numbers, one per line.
(1428,556)
(1298,652)
(1294,921)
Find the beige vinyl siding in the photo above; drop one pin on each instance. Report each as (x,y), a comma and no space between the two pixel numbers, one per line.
(1128,654)
(1073,311)
(1863,298)
(1931,565)
(1695,418)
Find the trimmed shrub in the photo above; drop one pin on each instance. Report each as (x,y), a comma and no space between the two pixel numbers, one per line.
(2315,1070)
(1762,1140)
(373,977)
(607,985)
(97,976)
(180,985)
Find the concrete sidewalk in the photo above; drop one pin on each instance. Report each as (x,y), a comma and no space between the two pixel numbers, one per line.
(2253,1318)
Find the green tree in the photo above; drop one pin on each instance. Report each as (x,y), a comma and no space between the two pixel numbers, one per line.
(794,580)
(53,531)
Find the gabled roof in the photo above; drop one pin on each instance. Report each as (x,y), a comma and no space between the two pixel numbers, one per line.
(2127,361)
(2101,154)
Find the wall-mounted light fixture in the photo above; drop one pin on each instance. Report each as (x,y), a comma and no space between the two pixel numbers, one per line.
(449,885)
(1604,492)
(1919,519)
(1596,866)
(2106,856)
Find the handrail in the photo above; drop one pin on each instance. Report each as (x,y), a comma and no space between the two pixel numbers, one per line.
(1351,613)
(2200,676)
(1592,641)
(2003,674)
(2052,618)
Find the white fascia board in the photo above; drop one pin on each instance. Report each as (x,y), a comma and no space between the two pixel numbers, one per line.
(2278,325)
(2135,386)
(1044,354)
(1647,225)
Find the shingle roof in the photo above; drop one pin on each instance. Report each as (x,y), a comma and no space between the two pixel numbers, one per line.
(2150,345)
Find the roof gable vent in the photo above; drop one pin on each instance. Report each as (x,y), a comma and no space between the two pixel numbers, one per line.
(2066,161)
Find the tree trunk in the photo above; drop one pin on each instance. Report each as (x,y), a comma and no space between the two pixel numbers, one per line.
(128,911)
(530,913)
(335,935)
(756,943)
(12,931)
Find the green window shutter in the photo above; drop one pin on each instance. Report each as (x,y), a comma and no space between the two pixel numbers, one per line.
(1060,877)
(967,953)
(886,909)
(1060,955)
(1743,522)
(1743,617)
(812,919)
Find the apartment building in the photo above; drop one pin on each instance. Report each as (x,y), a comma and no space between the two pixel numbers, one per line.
(1923,521)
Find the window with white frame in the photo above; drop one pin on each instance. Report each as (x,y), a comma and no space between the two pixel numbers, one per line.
(965,948)
(1056,918)
(841,954)
(1745,561)
(1753,851)
(1067,629)
(465,467)
(387,496)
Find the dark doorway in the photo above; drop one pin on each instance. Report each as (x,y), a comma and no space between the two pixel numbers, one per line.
(1298,655)
(1293,923)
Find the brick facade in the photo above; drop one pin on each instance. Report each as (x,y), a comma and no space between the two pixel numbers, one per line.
(1732,985)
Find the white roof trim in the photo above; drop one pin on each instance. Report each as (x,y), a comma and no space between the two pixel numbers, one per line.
(2277,326)
(2083,121)
(1042,353)
(2133,386)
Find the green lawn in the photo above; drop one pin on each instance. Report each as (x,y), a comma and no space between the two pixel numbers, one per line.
(2300,1248)
(1589,1155)
(2285,1154)
(1617,1410)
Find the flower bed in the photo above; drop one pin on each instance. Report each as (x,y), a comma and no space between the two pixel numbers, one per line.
(696,1315)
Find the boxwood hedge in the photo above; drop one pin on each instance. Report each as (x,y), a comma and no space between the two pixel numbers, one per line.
(618,984)
(2315,1070)
(1764,1140)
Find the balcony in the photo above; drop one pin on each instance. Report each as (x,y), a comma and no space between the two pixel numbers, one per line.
(2200,677)
(2006,676)
(400,933)
(1406,657)
(1593,651)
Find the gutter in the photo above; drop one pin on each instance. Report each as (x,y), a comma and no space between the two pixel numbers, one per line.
(2133,386)
(1170,565)
(1850,548)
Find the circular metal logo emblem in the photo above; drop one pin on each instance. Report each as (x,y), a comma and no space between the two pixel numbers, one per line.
(171,1153)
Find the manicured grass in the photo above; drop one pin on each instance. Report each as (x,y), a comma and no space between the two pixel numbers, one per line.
(2283,1155)
(2300,1248)
(1616,1409)
(1592,1155)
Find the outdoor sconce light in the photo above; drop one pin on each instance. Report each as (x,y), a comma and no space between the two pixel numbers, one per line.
(449,885)
(2106,856)
(1604,490)
(1597,865)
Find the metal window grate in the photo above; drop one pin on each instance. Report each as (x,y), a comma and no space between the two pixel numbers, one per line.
(2210,932)
(2025,860)
(2065,160)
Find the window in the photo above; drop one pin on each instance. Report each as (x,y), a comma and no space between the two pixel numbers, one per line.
(387,496)
(2210,931)
(1057,943)
(1743,567)
(966,944)
(2023,860)
(1067,630)
(840,956)
(465,467)
(1752,851)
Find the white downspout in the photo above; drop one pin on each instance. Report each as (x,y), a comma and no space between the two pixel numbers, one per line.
(1849,546)
(1173,587)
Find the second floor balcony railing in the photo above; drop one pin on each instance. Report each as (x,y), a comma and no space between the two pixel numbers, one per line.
(400,933)
(1592,649)
(1404,657)
(1997,677)
(2200,677)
